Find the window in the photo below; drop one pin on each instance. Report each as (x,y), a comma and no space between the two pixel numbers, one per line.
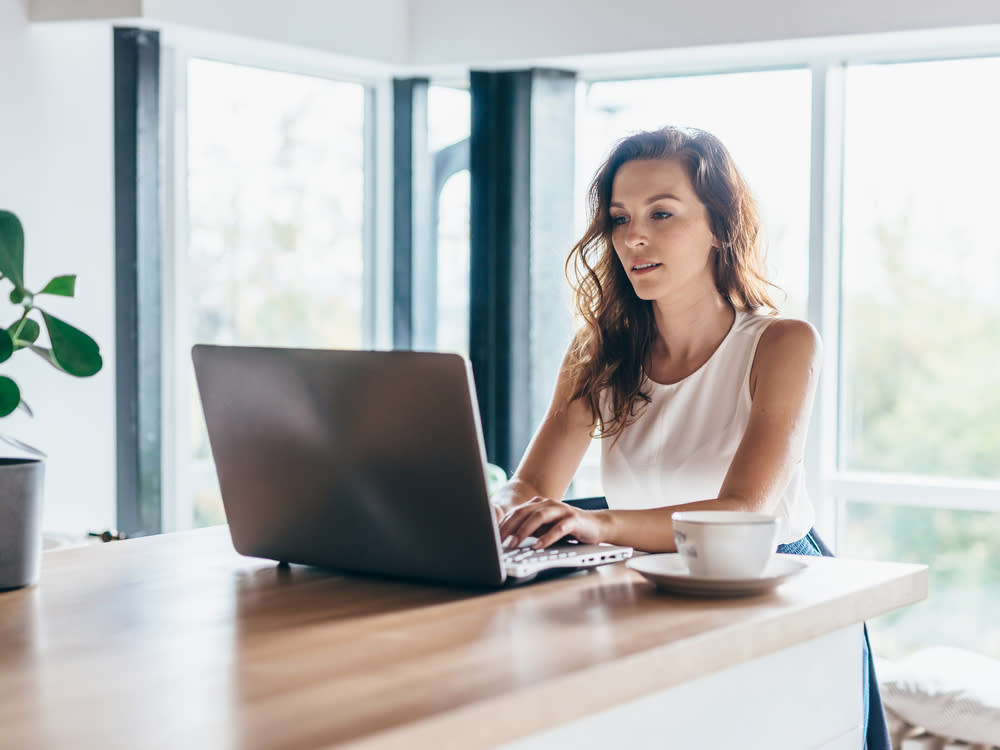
(275,214)
(921,270)
(962,608)
(453,265)
(919,447)
(448,115)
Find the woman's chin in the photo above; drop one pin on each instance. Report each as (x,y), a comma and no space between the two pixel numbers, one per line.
(645,292)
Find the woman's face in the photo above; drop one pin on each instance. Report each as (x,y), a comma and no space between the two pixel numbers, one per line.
(660,229)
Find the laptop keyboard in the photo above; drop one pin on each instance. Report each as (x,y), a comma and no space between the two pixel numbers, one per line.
(525,562)
(537,555)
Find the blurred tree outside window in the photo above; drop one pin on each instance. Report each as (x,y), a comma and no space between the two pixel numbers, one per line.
(275,206)
(920,325)
(959,546)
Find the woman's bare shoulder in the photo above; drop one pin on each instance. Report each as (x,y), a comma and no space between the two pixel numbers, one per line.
(785,336)
(787,345)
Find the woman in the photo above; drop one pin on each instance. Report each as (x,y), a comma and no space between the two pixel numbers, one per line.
(700,395)
(701,399)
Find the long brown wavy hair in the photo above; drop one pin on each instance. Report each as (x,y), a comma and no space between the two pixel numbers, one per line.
(615,328)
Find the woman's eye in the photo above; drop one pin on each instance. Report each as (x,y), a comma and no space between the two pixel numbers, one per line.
(617,221)
(662,215)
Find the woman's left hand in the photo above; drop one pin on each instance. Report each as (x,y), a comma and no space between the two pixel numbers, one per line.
(549,521)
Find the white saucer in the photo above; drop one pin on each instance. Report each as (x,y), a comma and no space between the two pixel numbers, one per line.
(670,573)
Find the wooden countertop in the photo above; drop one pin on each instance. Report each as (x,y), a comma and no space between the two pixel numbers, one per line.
(178,641)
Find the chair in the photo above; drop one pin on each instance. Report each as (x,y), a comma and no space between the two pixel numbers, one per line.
(588,503)
(942,696)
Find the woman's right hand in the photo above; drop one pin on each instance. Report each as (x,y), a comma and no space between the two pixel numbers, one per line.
(551,521)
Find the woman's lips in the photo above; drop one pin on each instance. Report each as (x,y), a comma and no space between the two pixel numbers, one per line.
(638,269)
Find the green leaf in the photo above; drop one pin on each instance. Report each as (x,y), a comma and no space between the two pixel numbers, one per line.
(64,286)
(6,345)
(46,354)
(10,395)
(11,248)
(28,333)
(19,295)
(72,349)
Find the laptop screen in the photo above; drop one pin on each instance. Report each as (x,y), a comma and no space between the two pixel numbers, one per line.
(364,461)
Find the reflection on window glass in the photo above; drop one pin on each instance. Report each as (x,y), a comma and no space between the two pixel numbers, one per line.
(275,190)
(762,117)
(448,123)
(921,270)
(963,608)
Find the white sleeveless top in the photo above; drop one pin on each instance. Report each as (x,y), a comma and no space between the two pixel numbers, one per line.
(680,447)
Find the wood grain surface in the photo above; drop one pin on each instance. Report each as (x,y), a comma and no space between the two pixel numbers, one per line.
(177,641)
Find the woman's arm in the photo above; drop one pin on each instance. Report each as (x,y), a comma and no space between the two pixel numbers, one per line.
(554,453)
(783,382)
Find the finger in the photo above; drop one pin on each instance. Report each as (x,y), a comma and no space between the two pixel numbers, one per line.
(525,523)
(534,521)
(512,520)
(510,527)
(557,532)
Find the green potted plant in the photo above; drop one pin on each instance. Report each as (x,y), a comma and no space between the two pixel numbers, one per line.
(70,350)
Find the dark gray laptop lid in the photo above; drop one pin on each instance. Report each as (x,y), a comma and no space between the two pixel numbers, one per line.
(364,461)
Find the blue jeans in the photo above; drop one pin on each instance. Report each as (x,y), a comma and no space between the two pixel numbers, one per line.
(876,727)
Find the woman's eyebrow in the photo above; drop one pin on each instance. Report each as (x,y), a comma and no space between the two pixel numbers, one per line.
(650,199)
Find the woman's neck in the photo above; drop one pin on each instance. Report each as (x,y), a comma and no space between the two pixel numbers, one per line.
(688,333)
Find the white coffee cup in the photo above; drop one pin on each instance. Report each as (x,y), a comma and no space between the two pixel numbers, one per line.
(725,543)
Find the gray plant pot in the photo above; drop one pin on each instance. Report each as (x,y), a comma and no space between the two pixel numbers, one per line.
(20,521)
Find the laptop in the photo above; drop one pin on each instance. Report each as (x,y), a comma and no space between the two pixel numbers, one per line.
(367,462)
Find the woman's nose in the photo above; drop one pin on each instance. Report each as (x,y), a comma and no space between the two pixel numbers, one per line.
(635,234)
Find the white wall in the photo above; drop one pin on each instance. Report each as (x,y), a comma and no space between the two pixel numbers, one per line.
(487,33)
(490,33)
(56,174)
(373,29)
(376,30)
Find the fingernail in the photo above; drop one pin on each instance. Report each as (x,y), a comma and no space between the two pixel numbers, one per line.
(506,541)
